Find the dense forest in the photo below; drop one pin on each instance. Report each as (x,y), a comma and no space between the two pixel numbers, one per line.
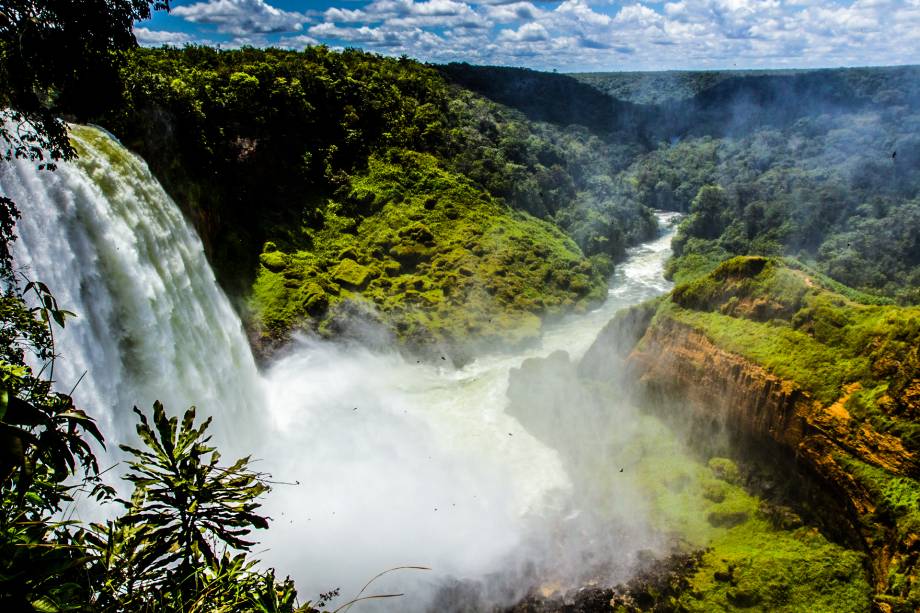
(320,159)
(300,147)
(820,165)
(454,207)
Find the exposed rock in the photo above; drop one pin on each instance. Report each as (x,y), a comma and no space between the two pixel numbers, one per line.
(604,359)
(314,298)
(678,364)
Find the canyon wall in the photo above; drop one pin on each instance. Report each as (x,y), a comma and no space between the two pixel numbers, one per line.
(703,361)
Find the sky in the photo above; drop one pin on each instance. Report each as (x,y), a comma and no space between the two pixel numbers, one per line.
(568,35)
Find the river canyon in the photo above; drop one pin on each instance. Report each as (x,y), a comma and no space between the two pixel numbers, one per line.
(382,460)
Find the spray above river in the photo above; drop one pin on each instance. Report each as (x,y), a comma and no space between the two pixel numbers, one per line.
(396,462)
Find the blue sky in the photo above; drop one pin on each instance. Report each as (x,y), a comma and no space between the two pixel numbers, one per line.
(570,35)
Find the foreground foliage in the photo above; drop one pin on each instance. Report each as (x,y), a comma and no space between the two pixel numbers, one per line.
(162,553)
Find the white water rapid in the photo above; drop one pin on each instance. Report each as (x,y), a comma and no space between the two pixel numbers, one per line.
(397,462)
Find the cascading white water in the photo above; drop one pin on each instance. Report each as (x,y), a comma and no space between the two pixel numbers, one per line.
(152,322)
(420,464)
(397,462)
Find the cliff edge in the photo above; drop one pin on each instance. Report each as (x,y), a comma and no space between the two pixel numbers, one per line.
(787,360)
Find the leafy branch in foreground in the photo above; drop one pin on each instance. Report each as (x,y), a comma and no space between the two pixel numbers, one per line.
(161,555)
(185,496)
(44,440)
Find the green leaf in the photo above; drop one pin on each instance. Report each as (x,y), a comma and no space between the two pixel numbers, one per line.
(45,605)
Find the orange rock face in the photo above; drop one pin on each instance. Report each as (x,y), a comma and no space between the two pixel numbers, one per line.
(677,362)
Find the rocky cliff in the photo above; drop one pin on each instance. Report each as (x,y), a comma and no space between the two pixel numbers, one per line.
(769,353)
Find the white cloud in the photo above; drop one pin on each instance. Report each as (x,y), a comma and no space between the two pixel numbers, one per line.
(154,38)
(514,11)
(410,14)
(241,17)
(590,34)
(380,37)
(529,32)
(579,11)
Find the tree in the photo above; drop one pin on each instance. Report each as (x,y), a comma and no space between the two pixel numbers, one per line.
(51,52)
(55,55)
(708,210)
(60,56)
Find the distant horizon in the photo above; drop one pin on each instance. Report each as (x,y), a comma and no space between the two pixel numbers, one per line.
(220,47)
(569,36)
(690,70)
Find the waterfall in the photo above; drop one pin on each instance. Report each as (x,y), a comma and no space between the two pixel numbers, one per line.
(395,462)
(151,321)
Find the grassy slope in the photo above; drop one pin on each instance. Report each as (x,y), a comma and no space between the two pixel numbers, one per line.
(757,555)
(438,259)
(838,348)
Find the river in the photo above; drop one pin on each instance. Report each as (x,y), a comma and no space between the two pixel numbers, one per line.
(381,461)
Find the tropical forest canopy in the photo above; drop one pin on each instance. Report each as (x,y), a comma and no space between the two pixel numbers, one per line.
(301,171)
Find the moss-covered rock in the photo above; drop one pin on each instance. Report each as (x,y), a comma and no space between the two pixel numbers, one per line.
(748,562)
(351,274)
(725,469)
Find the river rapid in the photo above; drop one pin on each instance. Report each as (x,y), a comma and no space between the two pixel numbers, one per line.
(381,461)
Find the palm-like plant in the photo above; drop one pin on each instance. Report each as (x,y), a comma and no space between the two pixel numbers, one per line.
(161,554)
(186,500)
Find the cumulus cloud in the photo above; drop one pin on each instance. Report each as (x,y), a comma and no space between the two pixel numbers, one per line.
(155,38)
(382,37)
(410,14)
(529,32)
(241,17)
(513,11)
(590,34)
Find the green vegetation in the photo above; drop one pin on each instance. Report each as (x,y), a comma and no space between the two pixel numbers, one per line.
(51,55)
(296,150)
(440,260)
(757,555)
(826,190)
(260,146)
(788,322)
(465,204)
(747,550)
(159,555)
(817,164)
(857,358)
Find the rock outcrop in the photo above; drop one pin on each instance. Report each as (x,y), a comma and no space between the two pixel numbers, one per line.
(768,380)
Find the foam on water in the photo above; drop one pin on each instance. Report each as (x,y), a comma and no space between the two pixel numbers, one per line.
(395,462)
